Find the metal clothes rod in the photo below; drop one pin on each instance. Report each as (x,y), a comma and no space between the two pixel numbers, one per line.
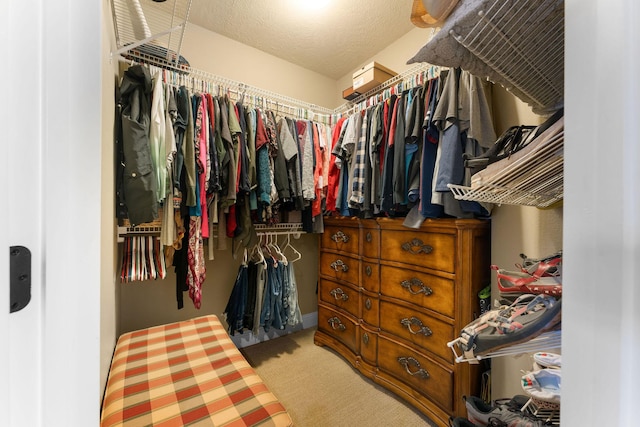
(281,229)
(199,79)
(202,80)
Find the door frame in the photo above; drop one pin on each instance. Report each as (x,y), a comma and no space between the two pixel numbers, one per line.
(50,371)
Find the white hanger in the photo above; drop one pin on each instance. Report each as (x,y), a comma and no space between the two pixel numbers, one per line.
(276,247)
(295,251)
(257,250)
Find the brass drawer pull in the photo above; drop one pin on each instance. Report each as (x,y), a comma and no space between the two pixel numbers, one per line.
(408,323)
(335,321)
(415,282)
(406,361)
(338,293)
(419,244)
(339,265)
(369,237)
(367,270)
(365,338)
(367,303)
(340,236)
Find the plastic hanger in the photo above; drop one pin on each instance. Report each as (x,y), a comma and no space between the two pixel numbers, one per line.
(278,251)
(298,255)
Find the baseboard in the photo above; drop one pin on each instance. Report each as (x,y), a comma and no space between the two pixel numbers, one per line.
(309,320)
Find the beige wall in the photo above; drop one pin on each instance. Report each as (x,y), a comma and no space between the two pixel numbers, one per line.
(219,55)
(150,303)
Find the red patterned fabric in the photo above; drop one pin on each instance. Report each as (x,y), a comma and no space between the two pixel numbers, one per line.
(197,271)
(186,373)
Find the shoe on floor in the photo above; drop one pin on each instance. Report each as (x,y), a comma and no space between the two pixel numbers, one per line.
(479,411)
(518,420)
(461,422)
(502,415)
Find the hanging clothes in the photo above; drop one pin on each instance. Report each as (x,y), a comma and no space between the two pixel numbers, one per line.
(234,312)
(136,187)
(157,135)
(142,259)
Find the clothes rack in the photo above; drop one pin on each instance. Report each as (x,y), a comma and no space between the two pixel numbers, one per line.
(204,81)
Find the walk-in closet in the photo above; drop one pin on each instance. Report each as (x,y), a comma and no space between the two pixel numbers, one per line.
(219,212)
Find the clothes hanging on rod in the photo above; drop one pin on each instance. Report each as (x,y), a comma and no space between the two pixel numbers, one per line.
(405,144)
(265,293)
(212,161)
(142,259)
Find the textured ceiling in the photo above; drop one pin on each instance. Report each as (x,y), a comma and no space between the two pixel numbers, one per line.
(332,41)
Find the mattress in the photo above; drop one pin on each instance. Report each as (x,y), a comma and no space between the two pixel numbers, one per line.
(186,374)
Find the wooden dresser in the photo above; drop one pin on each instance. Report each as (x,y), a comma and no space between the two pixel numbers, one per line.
(391,297)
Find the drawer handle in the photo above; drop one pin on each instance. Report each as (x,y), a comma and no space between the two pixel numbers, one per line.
(419,244)
(406,361)
(339,265)
(415,282)
(338,293)
(367,270)
(335,321)
(367,304)
(365,338)
(340,236)
(408,323)
(369,237)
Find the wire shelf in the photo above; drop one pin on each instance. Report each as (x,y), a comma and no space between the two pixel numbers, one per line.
(532,176)
(523,42)
(156,27)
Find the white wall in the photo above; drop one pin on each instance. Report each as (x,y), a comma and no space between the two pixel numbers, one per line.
(108,289)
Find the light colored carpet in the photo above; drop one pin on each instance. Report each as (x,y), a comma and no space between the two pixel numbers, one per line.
(320,388)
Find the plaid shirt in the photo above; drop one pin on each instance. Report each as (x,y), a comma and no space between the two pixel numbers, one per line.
(360,158)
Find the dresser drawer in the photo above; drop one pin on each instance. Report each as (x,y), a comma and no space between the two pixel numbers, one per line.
(342,238)
(340,267)
(370,237)
(368,345)
(422,289)
(339,295)
(339,326)
(418,371)
(431,250)
(370,276)
(370,309)
(417,328)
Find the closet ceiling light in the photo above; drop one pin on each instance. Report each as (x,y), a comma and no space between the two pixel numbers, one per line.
(312,4)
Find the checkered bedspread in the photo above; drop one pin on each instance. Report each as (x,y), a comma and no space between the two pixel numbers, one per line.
(183,374)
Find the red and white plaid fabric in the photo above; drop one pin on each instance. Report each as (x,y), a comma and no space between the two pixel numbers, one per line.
(186,374)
